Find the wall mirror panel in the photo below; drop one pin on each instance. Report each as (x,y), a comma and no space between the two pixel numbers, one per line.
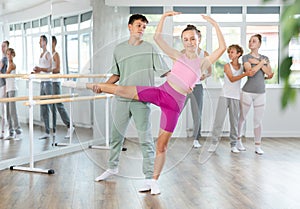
(70,22)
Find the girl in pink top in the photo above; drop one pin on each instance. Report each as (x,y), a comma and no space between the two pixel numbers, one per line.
(171,95)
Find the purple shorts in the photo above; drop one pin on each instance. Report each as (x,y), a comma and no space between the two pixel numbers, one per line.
(168,99)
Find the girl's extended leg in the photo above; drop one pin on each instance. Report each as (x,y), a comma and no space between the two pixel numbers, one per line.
(129,92)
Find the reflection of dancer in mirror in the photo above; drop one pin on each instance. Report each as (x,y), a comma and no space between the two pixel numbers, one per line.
(45,67)
(3,68)
(11,88)
(56,83)
(196,97)
(134,63)
(253,92)
(229,99)
(171,95)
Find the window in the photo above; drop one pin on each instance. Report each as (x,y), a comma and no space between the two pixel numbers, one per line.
(71,23)
(29,53)
(72,53)
(85,20)
(227,14)
(232,35)
(263,14)
(85,58)
(294,52)
(44,25)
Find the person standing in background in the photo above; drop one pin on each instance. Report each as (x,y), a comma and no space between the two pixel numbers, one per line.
(45,67)
(3,68)
(56,84)
(196,97)
(229,99)
(254,91)
(11,89)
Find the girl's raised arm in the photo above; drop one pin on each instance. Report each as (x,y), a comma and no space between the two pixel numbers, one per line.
(215,55)
(158,37)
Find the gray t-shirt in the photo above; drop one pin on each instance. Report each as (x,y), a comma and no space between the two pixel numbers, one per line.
(3,70)
(137,65)
(256,83)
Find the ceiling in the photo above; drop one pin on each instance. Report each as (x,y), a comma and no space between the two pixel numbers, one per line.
(11,6)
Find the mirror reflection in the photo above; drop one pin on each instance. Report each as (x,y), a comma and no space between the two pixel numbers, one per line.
(48,37)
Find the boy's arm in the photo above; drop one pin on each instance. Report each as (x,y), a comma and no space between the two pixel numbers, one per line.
(57,61)
(113,79)
(233,78)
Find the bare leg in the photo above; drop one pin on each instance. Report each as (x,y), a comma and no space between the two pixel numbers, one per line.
(161,149)
(129,92)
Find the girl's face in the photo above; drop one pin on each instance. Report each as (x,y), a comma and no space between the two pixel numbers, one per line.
(190,40)
(137,28)
(254,43)
(232,54)
(9,55)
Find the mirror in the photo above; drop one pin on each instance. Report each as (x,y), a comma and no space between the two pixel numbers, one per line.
(72,29)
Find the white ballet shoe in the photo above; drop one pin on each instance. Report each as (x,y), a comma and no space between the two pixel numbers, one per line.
(106,174)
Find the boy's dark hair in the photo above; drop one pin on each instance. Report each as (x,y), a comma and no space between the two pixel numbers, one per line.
(54,40)
(192,27)
(44,39)
(237,47)
(7,43)
(134,17)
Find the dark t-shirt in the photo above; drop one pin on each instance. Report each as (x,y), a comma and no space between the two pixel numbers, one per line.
(3,70)
(256,83)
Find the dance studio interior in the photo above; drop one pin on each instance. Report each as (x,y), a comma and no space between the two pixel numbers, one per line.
(54,161)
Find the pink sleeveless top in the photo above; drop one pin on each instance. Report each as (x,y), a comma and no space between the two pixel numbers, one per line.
(187,72)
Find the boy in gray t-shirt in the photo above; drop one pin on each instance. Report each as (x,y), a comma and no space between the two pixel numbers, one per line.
(134,63)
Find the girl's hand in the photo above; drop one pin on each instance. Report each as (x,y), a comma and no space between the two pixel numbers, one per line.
(171,13)
(209,19)
(269,76)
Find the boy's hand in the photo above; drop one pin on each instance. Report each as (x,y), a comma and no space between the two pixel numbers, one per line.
(97,89)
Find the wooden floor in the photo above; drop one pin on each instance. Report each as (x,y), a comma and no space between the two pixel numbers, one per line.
(192,179)
(19,147)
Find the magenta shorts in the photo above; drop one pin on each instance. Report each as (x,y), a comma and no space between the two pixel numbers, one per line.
(168,99)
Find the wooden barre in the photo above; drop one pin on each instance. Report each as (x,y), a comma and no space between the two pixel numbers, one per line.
(23,98)
(43,76)
(12,75)
(75,99)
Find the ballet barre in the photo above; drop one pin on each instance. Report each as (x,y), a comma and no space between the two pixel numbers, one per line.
(24,98)
(32,102)
(62,100)
(41,76)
